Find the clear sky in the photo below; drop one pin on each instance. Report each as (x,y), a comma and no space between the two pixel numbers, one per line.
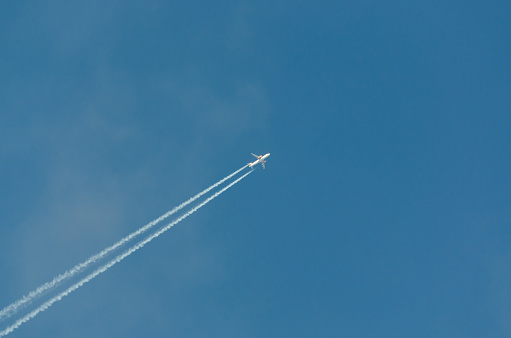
(384,210)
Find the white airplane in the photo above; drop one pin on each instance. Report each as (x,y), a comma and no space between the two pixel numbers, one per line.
(260,159)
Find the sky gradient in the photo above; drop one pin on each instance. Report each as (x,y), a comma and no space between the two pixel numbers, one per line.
(384,209)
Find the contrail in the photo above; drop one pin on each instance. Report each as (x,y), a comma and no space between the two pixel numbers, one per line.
(116,260)
(14,307)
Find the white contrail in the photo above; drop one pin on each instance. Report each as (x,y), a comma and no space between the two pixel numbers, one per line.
(116,260)
(14,307)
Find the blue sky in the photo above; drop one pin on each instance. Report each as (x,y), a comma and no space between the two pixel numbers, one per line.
(384,210)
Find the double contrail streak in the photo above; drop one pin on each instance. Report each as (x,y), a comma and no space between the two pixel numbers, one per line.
(116,260)
(14,307)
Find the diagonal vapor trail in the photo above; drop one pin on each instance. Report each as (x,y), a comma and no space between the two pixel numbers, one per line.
(17,305)
(114,261)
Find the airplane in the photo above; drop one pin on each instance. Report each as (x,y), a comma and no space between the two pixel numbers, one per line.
(260,159)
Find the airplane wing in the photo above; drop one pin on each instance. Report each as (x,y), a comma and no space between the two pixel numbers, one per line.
(255,155)
(263,165)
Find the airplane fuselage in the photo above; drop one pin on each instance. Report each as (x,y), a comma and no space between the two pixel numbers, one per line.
(260,159)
